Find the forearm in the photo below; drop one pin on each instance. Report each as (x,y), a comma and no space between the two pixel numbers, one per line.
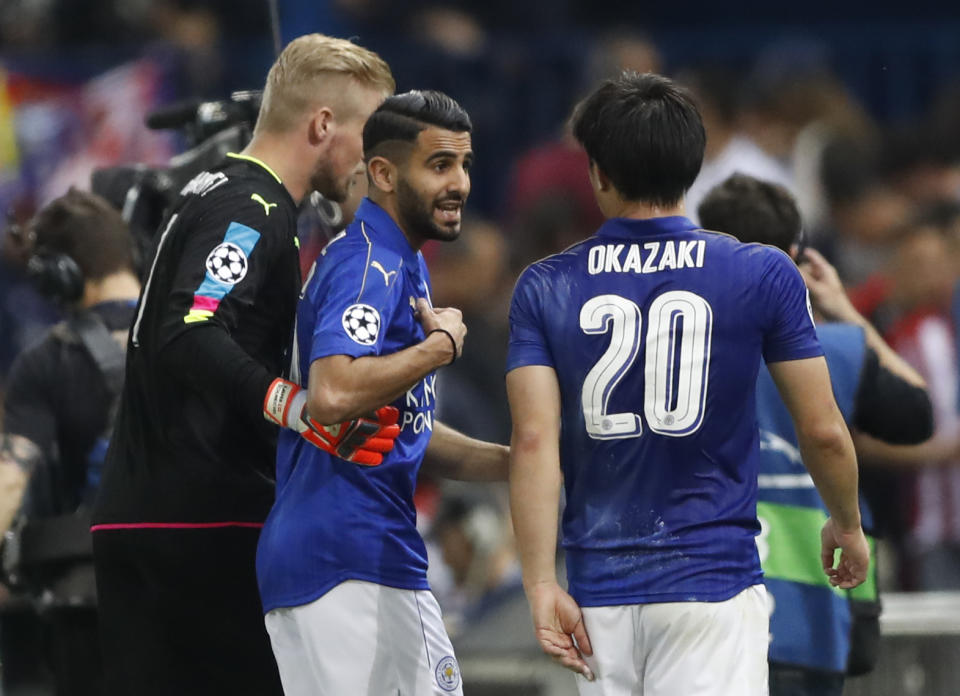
(342,387)
(207,358)
(887,355)
(453,455)
(829,296)
(832,463)
(19,457)
(825,444)
(534,505)
(937,451)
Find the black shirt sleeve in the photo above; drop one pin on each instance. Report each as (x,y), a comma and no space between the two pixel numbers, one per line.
(889,408)
(229,250)
(211,360)
(209,329)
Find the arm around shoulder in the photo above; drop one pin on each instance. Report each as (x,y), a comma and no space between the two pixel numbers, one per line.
(453,455)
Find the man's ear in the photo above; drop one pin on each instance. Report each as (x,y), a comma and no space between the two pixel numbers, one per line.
(600,180)
(383,173)
(321,126)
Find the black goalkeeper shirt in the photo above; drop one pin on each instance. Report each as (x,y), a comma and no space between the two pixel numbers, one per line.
(212,328)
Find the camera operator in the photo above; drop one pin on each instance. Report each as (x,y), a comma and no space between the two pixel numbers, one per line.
(57,416)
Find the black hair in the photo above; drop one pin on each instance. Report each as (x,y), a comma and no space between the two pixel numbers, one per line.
(402,117)
(644,132)
(752,211)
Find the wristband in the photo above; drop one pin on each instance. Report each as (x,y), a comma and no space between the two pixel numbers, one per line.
(450,336)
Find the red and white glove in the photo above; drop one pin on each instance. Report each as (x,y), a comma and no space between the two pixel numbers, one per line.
(362,440)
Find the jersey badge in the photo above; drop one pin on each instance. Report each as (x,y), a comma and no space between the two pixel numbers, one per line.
(266,206)
(227,263)
(448,673)
(362,323)
(386,274)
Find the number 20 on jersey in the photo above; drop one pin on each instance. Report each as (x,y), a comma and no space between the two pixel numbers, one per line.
(675,363)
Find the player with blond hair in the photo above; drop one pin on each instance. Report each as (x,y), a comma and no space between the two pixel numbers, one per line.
(188,480)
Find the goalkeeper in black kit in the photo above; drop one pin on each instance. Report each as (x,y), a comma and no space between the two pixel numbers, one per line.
(188,479)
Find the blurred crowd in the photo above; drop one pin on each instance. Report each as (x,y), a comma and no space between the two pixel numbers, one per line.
(880,198)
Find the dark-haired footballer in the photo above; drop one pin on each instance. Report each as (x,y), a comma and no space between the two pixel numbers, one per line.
(341,566)
(632,374)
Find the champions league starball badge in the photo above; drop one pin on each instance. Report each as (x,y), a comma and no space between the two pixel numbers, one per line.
(362,324)
(227,263)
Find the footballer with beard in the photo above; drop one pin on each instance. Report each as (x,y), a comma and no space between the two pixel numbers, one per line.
(188,479)
(341,566)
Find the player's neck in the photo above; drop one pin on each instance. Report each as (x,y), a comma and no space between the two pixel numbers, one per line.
(389,205)
(285,158)
(122,285)
(637,210)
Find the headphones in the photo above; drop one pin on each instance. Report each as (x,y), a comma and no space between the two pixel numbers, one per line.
(57,276)
(329,212)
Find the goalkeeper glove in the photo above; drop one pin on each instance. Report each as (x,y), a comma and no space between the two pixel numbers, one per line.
(362,440)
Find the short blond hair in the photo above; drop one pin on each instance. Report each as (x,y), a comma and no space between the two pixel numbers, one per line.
(303,68)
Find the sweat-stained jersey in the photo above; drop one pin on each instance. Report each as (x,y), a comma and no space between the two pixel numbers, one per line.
(225,257)
(334,520)
(656,330)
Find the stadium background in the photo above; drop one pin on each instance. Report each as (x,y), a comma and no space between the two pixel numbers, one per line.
(856,107)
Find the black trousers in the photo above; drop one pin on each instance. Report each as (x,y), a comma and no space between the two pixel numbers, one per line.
(180,613)
(74,651)
(53,652)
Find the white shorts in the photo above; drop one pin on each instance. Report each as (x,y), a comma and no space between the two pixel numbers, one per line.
(680,648)
(364,639)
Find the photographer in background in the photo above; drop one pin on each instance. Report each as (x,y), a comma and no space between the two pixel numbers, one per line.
(58,412)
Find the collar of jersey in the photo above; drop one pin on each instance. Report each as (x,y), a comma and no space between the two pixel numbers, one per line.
(379,224)
(248,158)
(628,227)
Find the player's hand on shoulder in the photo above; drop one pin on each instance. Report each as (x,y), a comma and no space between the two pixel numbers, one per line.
(448,320)
(854,563)
(362,440)
(558,624)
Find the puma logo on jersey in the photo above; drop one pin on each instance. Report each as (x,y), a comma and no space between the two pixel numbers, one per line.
(266,206)
(386,274)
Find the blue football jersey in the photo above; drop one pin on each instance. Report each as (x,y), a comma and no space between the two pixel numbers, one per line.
(656,330)
(334,520)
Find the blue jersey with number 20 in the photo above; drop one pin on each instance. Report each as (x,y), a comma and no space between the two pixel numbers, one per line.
(656,330)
